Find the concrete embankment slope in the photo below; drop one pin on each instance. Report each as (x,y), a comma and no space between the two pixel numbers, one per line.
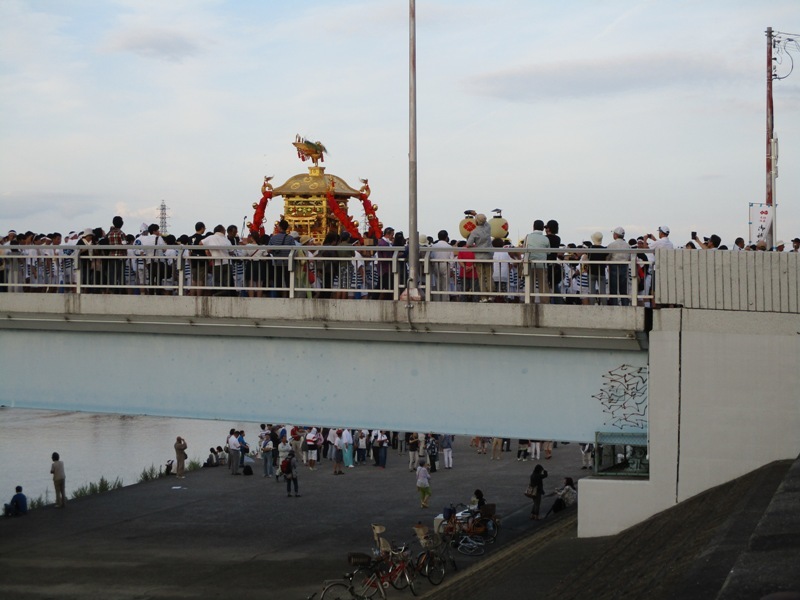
(738,541)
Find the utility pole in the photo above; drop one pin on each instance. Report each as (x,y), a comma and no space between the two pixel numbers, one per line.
(771,145)
(781,47)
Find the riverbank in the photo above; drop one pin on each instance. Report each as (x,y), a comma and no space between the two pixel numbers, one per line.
(212,535)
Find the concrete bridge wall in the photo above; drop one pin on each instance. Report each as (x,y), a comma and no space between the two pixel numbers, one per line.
(515,371)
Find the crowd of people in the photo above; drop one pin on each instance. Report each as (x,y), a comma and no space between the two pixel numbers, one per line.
(228,262)
(285,450)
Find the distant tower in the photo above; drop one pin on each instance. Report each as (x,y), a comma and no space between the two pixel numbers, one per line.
(163,223)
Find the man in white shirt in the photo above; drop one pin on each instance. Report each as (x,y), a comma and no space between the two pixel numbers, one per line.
(538,241)
(220,250)
(654,244)
(618,274)
(234,449)
(441,258)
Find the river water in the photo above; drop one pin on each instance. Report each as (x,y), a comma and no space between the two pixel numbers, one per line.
(96,445)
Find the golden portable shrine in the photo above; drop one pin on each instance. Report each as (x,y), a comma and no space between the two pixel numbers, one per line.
(315,203)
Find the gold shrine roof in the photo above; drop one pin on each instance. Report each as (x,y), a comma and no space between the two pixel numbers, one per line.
(314,183)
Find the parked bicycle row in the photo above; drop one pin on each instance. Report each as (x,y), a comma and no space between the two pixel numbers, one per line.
(465,529)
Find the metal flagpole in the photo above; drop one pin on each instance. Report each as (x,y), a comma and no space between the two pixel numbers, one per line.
(413,234)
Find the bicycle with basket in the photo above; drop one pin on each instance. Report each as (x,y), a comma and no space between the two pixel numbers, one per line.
(468,530)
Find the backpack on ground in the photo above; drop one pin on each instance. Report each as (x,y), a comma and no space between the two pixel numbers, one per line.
(248,470)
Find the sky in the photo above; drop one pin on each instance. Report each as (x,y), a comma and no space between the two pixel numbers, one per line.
(597,114)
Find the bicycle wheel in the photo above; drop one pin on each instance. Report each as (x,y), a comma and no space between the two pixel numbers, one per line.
(398,576)
(367,583)
(411,575)
(487,529)
(436,568)
(471,547)
(338,590)
(423,562)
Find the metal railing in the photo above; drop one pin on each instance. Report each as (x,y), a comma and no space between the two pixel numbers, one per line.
(337,272)
(729,280)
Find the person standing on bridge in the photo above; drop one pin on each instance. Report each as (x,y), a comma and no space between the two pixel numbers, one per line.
(537,241)
(618,273)
(481,237)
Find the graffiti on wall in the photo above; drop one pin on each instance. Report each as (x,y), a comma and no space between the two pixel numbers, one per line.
(623,397)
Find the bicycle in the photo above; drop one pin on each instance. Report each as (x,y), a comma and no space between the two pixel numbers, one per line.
(488,523)
(465,529)
(435,556)
(362,584)
(400,570)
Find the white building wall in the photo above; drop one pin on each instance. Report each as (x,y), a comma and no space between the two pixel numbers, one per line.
(724,399)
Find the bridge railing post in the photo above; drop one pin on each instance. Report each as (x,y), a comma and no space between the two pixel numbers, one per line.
(178,272)
(633,277)
(396,276)
(427,271)
(526,273)
(290,268)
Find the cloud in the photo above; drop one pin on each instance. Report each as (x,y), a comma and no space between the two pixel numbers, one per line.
(597,78)
(30,206)
(157,43)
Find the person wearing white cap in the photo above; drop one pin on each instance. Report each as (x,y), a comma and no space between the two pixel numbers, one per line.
(618,274)
(662,241)
(780,246)
(654,243)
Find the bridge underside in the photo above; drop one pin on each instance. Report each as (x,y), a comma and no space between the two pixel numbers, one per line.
(550,372)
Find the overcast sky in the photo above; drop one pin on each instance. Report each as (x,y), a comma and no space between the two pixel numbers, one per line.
(597,114)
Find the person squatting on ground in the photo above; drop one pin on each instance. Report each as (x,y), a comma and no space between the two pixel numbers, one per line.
(566,496)
(18,505)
